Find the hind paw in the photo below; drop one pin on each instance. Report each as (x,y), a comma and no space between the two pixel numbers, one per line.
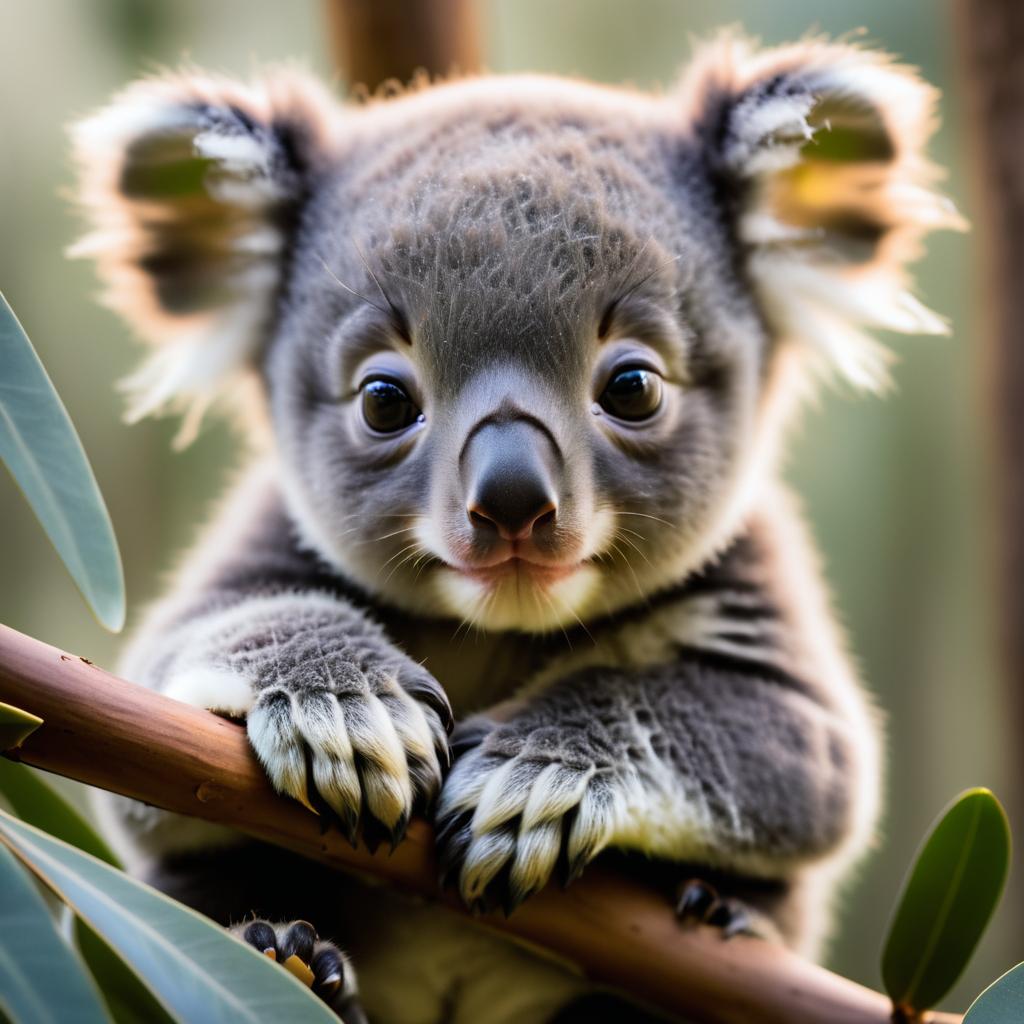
(318,964)
(698,902)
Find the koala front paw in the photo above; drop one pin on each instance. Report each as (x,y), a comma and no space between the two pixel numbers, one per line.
(521,805)
(341,719)
(366,748)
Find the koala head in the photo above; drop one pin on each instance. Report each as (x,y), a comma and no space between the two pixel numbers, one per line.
(526,344)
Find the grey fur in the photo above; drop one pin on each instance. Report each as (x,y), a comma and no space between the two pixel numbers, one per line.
(671,682)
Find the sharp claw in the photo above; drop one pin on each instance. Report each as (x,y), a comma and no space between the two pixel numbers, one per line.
(398,832)
(328,815)
(575,869)
(375,832)
(732,917)
(327,989)
(431,694)
(720,916)
(448,867)
(446,877)
(443,710)
(425,804)
(329,968)
(740,924)
(349,826)
(491,899)
(347,822)
(452,823)
(303,799)
(514,899)
(697,900)
(450,856)
(301,971)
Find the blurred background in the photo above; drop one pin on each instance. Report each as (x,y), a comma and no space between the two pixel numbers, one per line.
(895,489)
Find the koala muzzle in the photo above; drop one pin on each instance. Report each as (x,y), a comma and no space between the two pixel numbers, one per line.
(509,471)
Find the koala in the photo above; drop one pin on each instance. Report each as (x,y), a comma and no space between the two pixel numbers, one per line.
(517,355)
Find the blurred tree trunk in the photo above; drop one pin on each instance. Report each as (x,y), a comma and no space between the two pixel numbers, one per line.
(375,41)
(990,35)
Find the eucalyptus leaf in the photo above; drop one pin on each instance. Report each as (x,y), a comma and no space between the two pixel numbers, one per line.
(1002,1002)
(129,1000)
(16,726)
(947,900)
(38,803)
(41,449)
(42,980)
(195,969)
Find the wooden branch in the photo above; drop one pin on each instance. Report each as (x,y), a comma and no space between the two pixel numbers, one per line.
(375,41)
(106,732)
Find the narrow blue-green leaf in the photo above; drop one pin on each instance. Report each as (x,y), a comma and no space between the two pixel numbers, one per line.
(42,980)
(16,726)
(38,803)
(1002,1002)
(127,998)
(947,900)
(195,969)
(41,449)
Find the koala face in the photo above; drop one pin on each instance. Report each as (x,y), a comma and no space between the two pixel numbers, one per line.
(526,344)
(517,388)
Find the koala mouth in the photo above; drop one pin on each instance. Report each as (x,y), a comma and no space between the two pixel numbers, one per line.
(517,566)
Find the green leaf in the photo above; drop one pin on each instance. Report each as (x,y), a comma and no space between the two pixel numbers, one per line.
(42,980)
(16,726)
(129,1000)
(38,803)
(947,900)
(194,968)
(1002,1002)
(41,449)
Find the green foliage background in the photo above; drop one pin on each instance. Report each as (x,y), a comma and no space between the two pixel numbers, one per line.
(895,489)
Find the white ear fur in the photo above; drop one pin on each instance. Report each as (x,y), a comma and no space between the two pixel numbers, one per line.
(824,146)
(187,181)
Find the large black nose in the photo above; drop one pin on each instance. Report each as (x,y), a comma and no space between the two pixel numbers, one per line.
(509,470)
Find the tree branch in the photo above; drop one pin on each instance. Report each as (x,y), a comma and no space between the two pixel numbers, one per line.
(375,41)
(106,732)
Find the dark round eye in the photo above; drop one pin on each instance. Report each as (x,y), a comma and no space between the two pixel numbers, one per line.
(387,407)
(632,394)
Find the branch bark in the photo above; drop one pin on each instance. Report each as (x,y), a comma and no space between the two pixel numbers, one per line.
(106,732)
(376,41)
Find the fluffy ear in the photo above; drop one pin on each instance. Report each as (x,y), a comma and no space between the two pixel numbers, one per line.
(191,184)
(817,151)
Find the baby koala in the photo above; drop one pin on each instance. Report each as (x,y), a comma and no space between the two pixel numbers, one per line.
(522,350)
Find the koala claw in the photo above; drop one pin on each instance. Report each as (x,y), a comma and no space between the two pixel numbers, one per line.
(698,902)
(506,824)
(364,759)
(320,965)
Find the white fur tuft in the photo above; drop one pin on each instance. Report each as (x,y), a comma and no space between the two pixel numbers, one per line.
(183,177)
(825,144)
(213,689)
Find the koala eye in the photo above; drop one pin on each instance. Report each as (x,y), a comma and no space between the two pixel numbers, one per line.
(387,407)
(633,393)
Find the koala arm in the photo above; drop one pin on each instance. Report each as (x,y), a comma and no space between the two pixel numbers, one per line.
(701,731)
(337,714)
